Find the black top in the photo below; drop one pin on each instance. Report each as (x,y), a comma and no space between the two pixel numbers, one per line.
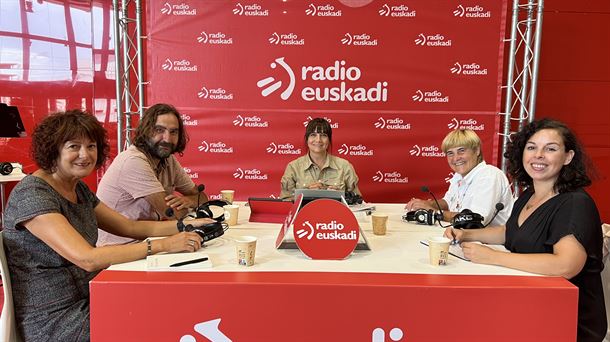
(569,213)
(50,293)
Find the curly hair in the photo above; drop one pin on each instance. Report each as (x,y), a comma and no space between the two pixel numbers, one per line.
(149,120)
(57,128)
(319,125)
(571,177)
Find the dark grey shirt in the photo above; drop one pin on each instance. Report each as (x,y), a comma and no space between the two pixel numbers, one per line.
(51,294)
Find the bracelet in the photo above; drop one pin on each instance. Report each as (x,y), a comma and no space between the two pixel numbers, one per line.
(148,247)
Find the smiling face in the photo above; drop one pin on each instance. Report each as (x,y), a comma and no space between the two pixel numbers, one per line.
(544,156)
(462,159)
(77,158)
(317,142)
(164,136)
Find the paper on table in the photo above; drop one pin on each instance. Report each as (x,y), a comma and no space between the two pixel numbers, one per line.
(162,262)
(457,252)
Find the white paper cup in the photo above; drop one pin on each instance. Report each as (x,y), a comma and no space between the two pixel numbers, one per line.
(439,250)
(231,214)
(380,223)
(227,195)
(245,246)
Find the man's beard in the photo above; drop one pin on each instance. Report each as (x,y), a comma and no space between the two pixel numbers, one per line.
(161,149)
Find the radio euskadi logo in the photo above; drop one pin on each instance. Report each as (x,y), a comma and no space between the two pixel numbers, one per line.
(355,150)
(468,69)
(471,12)
(191,174)
(217,93)
(391,124)
(426,151)
(389,177)
(183,65)
(249,174)
(285,148)
(325,231)
(333,125)
(327,10)
(181,9)
(208,329)
(188,121)
(251,121)
(358,39)
(471,124)
(214,38)
(400,11)
(214,147)
(340,83)
(290,38)
(432,96)
(433,40)
(449,177)
(250,10)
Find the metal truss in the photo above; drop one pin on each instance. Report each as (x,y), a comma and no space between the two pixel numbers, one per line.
(129,67)
(522,70)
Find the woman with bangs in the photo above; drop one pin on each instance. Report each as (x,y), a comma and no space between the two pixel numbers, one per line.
(475,185)
(319,169)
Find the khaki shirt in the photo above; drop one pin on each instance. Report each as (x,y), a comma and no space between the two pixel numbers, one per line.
(303,171)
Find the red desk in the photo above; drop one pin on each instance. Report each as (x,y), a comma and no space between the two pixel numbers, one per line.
(387,294)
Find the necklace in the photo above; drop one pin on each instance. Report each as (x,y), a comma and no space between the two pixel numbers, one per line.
(531,204)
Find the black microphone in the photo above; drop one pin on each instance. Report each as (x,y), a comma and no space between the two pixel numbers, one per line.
(499,207)
(439,219)
(169,212)
(200,189)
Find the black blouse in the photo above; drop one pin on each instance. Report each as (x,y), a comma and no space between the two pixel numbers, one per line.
(569,213)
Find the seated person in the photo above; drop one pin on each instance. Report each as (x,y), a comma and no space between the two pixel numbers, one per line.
(475,185)
(555,227)
(318,169)
(141,181)
(50,230)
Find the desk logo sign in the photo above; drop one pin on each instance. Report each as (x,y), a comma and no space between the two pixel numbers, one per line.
(326,229)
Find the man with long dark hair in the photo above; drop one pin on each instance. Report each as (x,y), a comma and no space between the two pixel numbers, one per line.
(142,180)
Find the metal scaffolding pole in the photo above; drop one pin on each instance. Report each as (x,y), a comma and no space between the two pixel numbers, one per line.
(129,67)
(522,69)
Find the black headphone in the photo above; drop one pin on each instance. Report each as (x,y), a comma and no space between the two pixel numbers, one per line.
(423,216)
(208,231)
(466,219)
(6,168)
(352,198)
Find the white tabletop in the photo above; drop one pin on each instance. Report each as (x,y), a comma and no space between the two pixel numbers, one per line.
(13,177)
(399,251)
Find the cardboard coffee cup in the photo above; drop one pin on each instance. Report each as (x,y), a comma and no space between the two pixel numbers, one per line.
(227,195)
(246,250)
(380,222)
(231,214)
(439,250)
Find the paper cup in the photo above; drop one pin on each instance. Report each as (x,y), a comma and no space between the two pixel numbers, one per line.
(227,195)
(231,214)
(439,250)
(246,250)
(380,222)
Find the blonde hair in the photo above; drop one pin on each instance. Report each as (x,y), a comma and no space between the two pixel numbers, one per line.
(463,138)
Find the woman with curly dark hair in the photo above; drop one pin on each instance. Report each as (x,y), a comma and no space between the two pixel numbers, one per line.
(554,228)
(51,225)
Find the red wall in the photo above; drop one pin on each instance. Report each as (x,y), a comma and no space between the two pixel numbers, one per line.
(574,84)
(574,77)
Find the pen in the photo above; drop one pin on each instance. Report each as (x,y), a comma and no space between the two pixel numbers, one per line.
(188,262)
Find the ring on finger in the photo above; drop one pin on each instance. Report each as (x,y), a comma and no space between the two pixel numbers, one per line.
(192,243)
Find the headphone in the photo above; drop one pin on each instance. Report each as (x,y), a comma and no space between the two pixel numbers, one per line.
(423,216)
(6,168)
(466,219)
(208,231)
(352,198)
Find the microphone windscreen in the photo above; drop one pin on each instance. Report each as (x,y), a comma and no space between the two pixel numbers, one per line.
(200,187)
(499,206)
(169,212)
(425,189)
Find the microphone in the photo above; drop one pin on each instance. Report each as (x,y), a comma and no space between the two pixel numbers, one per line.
(499,207)
(169,212)
(200,189)
(439,219)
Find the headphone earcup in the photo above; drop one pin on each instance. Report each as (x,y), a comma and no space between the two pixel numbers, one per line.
(6,168)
